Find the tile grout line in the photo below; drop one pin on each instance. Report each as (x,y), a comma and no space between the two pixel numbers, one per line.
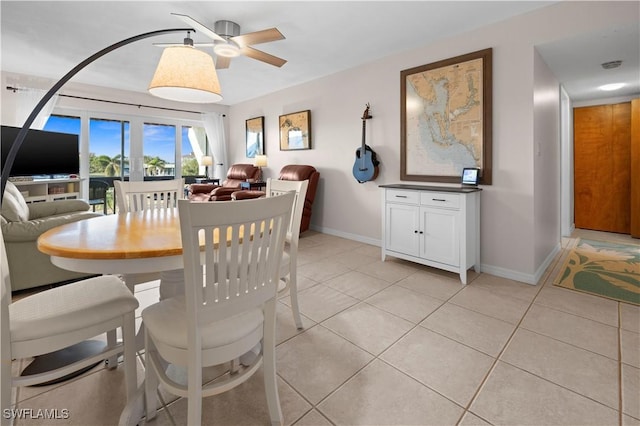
(375,357)
(620,390)
(497,358)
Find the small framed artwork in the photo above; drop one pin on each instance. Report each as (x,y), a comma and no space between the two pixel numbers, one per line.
(295,131)
(255,136)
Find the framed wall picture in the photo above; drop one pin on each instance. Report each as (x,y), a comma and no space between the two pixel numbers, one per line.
(255,136)
(295,131)
(445,119)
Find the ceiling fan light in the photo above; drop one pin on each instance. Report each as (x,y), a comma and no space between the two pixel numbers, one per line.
(186,74)
(611,87)
(228,50)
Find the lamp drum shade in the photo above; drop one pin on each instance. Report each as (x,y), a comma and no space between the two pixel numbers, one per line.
(186,74)
(207,160)
(261,161)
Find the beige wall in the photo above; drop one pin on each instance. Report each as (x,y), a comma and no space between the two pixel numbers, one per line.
(517,237)
(546,162)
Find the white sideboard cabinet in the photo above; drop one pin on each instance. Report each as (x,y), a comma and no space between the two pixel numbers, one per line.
(432,225)
(39,190)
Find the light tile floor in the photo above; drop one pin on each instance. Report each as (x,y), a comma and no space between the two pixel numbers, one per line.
(396,343)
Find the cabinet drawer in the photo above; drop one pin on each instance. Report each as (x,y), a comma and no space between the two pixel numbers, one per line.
(440,199)
(402,196)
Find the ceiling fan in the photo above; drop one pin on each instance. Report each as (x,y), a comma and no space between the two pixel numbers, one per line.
(228,42)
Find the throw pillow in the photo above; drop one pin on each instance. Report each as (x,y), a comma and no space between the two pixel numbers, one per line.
(14,207)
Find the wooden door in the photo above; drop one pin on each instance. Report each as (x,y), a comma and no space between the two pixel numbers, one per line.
(635,168)
(602,167)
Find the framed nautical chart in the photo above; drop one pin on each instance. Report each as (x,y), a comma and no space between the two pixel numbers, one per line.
(445,119)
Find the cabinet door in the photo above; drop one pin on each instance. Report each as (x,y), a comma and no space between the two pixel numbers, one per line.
(402,227)
(440,240)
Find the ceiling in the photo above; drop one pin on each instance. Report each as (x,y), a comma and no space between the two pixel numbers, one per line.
(47,39)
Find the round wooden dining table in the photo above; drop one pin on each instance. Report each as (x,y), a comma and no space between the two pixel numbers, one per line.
(129,244)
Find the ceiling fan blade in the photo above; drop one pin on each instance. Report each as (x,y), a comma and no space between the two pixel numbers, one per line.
(257,37)
(198,26)
(262,56)
(222,62)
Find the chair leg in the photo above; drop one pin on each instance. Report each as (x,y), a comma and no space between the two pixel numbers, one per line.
(129,342)
(269,364)
(151,380)
(194,387)
(5,385)
(112,340)
(293,293)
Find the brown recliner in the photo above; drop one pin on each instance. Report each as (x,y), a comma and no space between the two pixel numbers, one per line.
(237,174)
(303,172)
(291,172)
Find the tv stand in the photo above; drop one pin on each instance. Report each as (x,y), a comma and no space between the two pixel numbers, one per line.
(40,190)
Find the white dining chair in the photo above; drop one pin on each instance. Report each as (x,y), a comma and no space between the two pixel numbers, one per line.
(155,194)
(289,265)
(60,317)
(229,303)
(146,195)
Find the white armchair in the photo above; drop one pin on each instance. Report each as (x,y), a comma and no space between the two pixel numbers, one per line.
(22,224)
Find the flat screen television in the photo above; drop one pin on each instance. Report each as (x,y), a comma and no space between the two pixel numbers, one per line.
(41,153)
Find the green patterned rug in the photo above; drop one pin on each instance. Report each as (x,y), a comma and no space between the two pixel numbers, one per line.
(610,270)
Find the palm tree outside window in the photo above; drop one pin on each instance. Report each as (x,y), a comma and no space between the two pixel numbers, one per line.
(109,142)
(159,150)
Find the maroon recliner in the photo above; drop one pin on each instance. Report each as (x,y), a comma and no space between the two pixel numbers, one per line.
(237,174)
(291,172)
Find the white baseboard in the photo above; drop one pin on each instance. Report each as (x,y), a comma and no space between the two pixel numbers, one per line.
(498,271)
(346,235)
(509,274)
(541,270)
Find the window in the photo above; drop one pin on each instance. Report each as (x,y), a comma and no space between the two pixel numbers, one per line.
(108,148)
(63,124)
(113,145)
(194,147)
(159,149)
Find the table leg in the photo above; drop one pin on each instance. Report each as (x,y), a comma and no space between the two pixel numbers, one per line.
(171,283)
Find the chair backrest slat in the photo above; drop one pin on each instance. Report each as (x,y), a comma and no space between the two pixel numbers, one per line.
(240,246)
(278,187)
(147,195)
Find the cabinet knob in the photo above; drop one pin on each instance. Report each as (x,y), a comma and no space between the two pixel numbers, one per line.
(415,232)
(421,232)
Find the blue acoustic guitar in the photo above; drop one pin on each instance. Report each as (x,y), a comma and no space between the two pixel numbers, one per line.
(365,168)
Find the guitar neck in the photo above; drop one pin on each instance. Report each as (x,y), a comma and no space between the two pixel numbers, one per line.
(363,149)
(364,130)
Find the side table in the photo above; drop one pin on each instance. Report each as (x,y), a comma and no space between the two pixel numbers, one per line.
(253,185)
(214,181)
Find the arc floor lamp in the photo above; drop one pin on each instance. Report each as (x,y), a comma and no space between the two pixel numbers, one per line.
(183,74)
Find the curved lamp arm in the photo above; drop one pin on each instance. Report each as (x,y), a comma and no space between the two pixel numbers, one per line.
(11,156)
